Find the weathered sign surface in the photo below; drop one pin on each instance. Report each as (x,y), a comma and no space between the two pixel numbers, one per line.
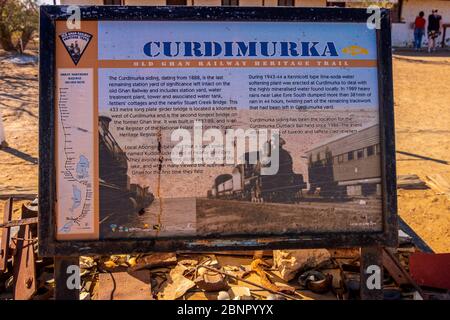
(190,128)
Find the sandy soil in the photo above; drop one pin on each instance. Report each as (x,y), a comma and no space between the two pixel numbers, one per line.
(422,95)
(422,121)
(19,110)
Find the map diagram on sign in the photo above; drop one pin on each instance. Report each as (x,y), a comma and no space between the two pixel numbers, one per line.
(75,123)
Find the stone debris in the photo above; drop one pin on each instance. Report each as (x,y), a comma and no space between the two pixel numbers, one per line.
(153,261)
(240,293)
(208,261)
(291,262)
(273,296)
(87,262)
(286,274)
(176,284)
(194,277)
(223,295)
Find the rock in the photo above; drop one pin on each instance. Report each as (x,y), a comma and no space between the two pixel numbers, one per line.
(223,295)
(112,262)
(211,261)
(86,262)
(155,260)
(188,262)
(176,285)
(109,265)
(85,295)
(275,297)
(235,271)
(290,262)
(240,293)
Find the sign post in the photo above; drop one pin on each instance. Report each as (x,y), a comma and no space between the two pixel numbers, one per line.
(371,281)
(66,282)
(209,128)
(2,134)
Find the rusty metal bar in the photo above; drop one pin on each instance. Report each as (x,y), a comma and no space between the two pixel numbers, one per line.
(24,266)
(17,223)
(391,263)
(4,249)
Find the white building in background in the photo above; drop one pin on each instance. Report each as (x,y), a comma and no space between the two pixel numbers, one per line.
(404,12)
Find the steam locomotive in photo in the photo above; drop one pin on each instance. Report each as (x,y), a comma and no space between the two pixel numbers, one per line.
(246,182)
(342,168)
(117,194)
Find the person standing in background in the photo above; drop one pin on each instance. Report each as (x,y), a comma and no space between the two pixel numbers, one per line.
(3,143)
(434,29)
(419,30)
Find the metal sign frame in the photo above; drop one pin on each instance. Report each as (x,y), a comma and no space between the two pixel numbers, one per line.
(49,246)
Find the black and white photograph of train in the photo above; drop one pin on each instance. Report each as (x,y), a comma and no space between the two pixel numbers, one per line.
(339,190)
(246,182)
(341,168)
(336,188)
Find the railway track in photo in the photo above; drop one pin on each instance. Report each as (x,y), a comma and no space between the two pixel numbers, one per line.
(228,217)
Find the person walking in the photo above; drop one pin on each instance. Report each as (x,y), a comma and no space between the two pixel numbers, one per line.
(419,30)
(434,29)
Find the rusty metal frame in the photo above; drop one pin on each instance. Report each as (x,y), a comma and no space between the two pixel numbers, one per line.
(4,244)
(49,246)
